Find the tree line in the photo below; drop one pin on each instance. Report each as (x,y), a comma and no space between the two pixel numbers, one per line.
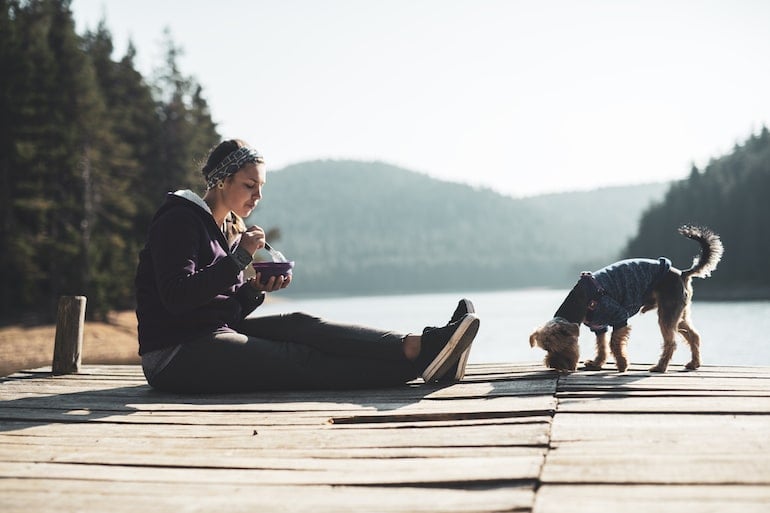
(88,147)
(730,195)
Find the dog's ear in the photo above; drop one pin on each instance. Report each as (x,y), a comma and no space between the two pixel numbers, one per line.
(533,338)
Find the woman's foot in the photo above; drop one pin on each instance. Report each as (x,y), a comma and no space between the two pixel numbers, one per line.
(442,348)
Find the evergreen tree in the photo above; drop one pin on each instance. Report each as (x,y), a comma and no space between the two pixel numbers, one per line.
(11,87)
(729,196)
(56,99)
(187,130)
(86,153)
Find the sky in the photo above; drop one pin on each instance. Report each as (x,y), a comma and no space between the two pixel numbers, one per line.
(523,97)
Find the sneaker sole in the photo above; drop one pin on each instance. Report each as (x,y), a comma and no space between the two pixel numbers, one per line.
(463,361)
(453,351)
(461,364)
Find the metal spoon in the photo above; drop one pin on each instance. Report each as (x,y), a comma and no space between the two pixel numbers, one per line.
(276,255)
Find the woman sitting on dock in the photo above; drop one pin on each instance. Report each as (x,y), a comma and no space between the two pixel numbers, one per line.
(193,303)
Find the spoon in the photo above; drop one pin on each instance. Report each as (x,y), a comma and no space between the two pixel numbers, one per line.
(275,254)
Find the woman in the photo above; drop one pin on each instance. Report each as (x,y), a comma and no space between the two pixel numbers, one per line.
(193,302)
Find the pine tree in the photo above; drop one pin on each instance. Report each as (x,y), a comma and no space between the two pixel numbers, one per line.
(187,130)
(11,88)
(729,196)
(87,150)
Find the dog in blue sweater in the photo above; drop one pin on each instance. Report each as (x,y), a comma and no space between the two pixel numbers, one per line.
(607,298)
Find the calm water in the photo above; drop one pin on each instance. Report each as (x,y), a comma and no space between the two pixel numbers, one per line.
(733,333)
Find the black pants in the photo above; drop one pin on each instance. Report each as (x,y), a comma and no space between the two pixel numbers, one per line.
(289,351)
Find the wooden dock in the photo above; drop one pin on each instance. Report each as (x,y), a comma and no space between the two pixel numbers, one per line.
(511,437)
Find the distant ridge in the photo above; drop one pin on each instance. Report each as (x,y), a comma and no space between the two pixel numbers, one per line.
(373,228)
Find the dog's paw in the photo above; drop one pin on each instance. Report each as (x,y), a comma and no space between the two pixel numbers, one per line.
(592,365)
(658,368)
(692,365)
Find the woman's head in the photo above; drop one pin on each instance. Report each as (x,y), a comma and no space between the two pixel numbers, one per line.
(226,159)
(235,174)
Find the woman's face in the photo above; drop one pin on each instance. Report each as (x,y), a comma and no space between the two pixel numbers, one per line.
(243,189)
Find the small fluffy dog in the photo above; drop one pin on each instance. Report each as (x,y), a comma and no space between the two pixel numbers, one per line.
(608,297)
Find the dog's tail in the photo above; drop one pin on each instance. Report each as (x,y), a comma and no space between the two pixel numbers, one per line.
(711,250)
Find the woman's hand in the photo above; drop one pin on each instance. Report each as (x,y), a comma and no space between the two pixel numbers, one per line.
(253,239)
(271,285)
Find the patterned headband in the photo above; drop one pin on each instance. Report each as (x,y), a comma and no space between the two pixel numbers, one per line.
(232,163)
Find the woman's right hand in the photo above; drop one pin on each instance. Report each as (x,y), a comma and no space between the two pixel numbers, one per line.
(253,239)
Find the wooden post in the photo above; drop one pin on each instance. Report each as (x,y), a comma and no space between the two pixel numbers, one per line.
(68,344)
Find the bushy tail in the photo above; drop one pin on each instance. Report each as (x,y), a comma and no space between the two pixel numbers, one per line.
(711,250)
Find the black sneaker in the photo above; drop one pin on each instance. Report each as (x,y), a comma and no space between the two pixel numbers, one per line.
(456,373)
(464,306)
(443,347)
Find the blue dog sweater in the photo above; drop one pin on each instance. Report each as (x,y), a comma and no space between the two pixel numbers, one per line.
(617,292)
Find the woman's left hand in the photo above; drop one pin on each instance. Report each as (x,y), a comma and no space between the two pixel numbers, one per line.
(271,285)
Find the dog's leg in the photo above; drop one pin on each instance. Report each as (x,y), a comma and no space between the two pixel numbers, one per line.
(670,312)
(618,344)
(669,345)
(692,337)
(601,353)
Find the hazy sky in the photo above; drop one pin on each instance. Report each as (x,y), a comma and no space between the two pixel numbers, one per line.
(520,96)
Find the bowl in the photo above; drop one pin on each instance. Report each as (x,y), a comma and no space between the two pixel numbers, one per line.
(269,269)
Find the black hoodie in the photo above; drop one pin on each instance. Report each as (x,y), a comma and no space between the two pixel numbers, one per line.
(187,282)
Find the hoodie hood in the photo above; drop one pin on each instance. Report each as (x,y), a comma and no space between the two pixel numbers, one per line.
(192,197)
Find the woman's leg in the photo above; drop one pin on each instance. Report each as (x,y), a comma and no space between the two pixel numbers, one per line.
(299,351)
(327,336)
(235,362)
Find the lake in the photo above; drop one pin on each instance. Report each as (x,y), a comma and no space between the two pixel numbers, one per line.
(732,333)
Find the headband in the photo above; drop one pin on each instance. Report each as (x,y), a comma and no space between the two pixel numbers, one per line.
(232,163)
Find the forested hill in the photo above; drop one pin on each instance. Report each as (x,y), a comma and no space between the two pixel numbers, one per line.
(731,196)
(370,227)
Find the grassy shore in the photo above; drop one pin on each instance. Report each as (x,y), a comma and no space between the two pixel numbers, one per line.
(113,342)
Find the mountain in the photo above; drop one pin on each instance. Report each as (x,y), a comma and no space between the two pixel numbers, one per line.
(372,228)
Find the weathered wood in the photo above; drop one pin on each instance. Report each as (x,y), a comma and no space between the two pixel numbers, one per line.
(647,499)
(658,449)
(471,471)
(509,437)
(117,497)
(68,344)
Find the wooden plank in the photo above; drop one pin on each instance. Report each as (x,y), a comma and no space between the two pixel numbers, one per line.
(600,464)
(305,442)
(23,496)
(88,433)
(658,499)
(259,414)
(695,381)
(659,449)
(676,429)
(257,457)
(105,393)
(738,405)
(305,471)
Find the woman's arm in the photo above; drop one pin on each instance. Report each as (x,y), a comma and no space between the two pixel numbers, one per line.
(186,274)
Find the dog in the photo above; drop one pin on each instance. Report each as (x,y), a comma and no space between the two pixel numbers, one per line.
(608,297)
